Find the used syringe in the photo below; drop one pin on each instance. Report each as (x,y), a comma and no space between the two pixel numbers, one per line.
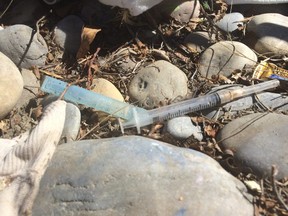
(193,105)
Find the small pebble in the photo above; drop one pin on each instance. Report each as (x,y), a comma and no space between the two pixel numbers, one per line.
(258,141)
(68,33)
(224,57)
(230,22)
(11,85)
(16,39)
(182,128)
(158,83)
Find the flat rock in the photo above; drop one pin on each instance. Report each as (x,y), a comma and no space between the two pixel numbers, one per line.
(137,176)
(224,57)
(268,34)
(31,87)
(258,141)
(158,83)
(182,128)
(68,33)
(198,41)
(23,46)
(230,22)
(11,85)
(262,101)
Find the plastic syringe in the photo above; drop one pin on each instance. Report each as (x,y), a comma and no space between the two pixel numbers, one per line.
(192,105)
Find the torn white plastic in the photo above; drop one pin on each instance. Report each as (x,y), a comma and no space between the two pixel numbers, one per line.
(23,161)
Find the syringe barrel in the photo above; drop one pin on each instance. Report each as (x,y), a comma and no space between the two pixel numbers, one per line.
(184,107)
(233,94)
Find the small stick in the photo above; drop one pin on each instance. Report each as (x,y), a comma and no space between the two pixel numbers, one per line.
(273,181)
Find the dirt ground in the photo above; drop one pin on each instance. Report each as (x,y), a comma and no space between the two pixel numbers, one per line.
(120,31)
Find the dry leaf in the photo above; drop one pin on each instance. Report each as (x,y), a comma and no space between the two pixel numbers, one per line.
(87,37)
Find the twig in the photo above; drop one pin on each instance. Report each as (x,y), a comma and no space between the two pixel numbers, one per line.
(274,172)
(6,9)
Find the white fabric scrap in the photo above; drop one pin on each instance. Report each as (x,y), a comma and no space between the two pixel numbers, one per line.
(24,159)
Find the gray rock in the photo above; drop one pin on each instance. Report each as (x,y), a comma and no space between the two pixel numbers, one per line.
(224,57)
(158,83)
(31,87)
(262,101)
(11,85)
(68,33)
(23,46)
(198,41)
(230,22)
(137,176)
(72,120)
(182,128)
(268,34)
(258,141)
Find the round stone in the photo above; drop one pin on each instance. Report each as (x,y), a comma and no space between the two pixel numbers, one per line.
(198,41)
(182,128)
(230,22)
(11,85)
(258,141)
(105,87)
(158,83)
(68,33)
(23,46)
(224,57)
(268,34)
(133,175)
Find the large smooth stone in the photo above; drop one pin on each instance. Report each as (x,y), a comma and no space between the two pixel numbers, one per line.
(137,176)
(11,85)
(158,83)
(23,46)
(68,33)
(262,101)
(268,34)
(258,141)
(31,87)
(224,57)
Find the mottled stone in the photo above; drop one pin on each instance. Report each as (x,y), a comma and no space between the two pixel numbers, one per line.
(159,82)
(11,85)
(23,46)
(224,57)
(268,34)
(182,128)
(258,141)
(137,176)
